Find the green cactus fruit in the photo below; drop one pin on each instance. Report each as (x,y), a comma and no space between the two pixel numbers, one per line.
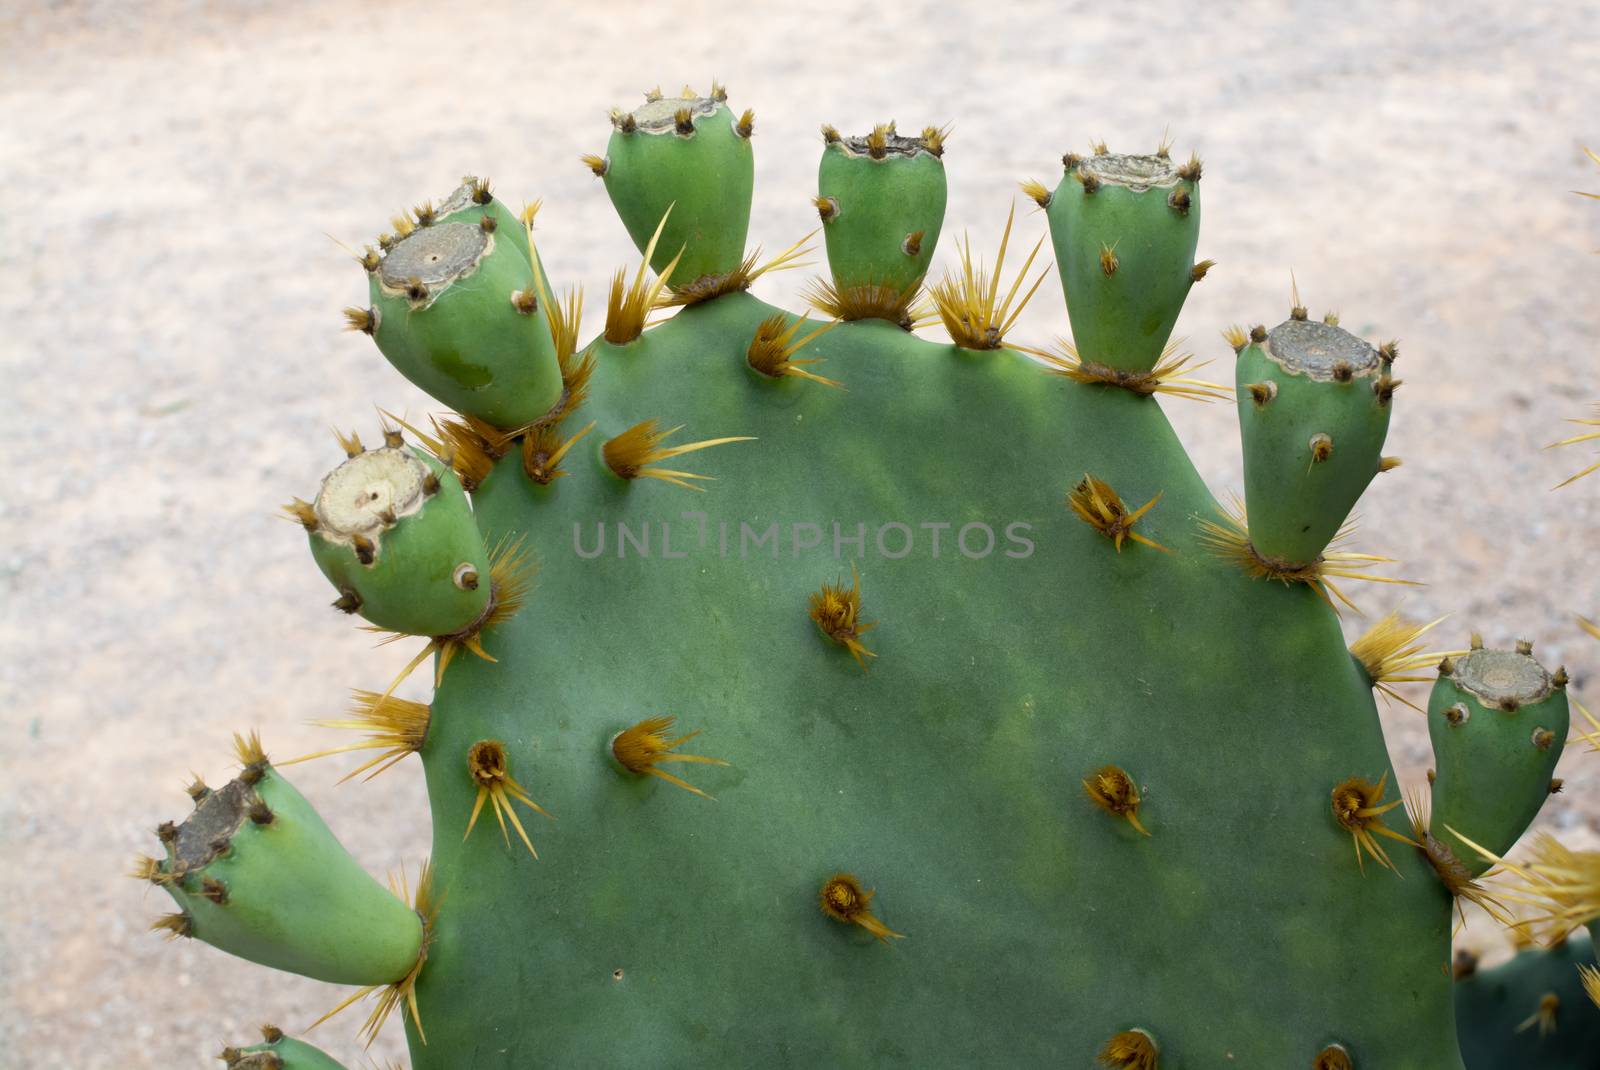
(1125,230)
(279,1052)
(881,198)
(392,530)
(1531,1012)
(692,155)
(1498,722)
(257,873)
(457,308)
(1314,405)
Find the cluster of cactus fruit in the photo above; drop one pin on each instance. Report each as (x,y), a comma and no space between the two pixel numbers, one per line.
(1000,768)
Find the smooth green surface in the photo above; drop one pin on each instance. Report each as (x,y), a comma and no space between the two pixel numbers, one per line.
(297,901)
(1296,505)
(470,348)
(1492,1004)
(948,777)
(410,586)
(1490,779)
(298,1055)
(880,204)
(707,179)
(1124,319)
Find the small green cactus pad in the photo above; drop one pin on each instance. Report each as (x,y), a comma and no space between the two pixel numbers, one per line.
(395,536)
(1530,1013)
(687,154)
(1124,230)
(258,874)
(457,310)
(279,1052)
(1498,722)
(882,199)
(1312,419)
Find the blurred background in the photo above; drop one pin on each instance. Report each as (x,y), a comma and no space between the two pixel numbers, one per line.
(181,181)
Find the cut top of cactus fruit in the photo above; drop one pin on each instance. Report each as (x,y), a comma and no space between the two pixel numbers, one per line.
(661,116)
(1320,351)
(257,1060)
(207,832)
(463,197)
(1505,679)
(367,493)
(1137,173)
(891,144)
(433,257)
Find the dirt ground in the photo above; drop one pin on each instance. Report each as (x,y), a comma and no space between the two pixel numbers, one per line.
(179,176)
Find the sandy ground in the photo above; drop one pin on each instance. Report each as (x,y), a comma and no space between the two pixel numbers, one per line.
(172,174)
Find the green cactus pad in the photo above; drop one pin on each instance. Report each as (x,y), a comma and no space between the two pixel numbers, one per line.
(279,1052)
(259,875)
(882,198)
(1143,214)
(658,928)
(457,310)
(1313,414)
(1506,1022)
(1498,722)
(395,536)
(687,154)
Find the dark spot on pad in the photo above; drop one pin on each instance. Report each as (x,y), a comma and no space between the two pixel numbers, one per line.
(466,374)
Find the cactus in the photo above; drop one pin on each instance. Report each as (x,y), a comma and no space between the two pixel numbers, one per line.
(1531,1011)
(1498,722)
(278,1052)
(881,198)
(1011,745)
(1125,230)
(257,873)
(1542,1008)
(455,309)
(688,154)
(1314,403)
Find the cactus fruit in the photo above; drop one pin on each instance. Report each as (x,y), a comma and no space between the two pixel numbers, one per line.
(456,309)
(393,532)
(1498,722)
(278,1052)
(1314,405)
(881,198)
(1003,755)
(1125,230)
(691,155)
(257,873)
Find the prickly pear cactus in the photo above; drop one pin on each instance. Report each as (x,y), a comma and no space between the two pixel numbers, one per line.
(814,693)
